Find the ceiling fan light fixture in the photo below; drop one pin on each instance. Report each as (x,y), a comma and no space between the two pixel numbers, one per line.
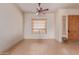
(40,10)
(37,13)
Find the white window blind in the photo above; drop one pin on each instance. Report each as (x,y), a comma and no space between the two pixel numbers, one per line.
(39,26)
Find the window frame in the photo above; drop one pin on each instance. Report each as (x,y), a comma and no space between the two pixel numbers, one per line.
(39,29)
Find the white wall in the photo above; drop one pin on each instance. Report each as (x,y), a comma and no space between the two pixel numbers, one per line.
(11,23)
(50,26)
(59,14)
(58,26)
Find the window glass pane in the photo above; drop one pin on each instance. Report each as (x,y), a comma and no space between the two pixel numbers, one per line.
(38,25)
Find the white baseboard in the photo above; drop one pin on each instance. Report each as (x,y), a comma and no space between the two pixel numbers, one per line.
(37,38)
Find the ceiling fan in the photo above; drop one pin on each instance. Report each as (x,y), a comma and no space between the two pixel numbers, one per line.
(40,10)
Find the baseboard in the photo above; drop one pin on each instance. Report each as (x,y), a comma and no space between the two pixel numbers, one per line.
(39,38)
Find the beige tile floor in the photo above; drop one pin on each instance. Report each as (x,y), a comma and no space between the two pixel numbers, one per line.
(43,47)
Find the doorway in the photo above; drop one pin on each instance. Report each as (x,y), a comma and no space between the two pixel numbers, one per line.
(73,27)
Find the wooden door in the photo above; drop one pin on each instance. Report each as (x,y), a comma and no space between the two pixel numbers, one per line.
(73,27)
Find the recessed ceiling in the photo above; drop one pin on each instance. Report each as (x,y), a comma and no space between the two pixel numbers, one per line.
(31,7)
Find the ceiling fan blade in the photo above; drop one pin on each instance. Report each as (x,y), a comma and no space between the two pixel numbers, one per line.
(38,10)
(45,9)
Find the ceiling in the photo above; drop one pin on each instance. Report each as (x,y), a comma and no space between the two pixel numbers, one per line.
(31,7)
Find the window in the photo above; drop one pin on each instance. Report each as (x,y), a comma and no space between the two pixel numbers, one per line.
(39,26)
